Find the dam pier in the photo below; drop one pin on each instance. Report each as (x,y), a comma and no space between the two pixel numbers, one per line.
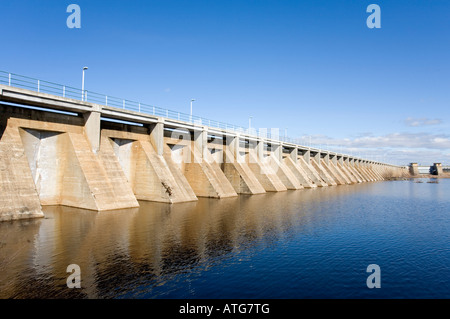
(56,149)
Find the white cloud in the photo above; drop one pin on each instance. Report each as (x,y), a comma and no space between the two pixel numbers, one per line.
(397,148)
(393,140)
(413,122)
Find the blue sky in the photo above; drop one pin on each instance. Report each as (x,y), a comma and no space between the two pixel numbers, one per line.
(313,67)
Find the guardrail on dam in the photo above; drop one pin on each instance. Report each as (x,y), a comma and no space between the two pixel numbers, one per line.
(80,158)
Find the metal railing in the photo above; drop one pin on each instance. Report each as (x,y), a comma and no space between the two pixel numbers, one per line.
(25,82)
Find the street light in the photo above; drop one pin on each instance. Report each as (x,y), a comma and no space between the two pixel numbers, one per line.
(190,118)
(82,84)
(250,124)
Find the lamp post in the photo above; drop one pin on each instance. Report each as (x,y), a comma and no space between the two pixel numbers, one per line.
(82,85)
(250,124)
(190,118)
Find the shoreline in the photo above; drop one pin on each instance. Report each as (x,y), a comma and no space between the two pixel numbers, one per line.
(428,176)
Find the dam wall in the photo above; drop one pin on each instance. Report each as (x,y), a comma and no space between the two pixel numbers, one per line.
(61,151)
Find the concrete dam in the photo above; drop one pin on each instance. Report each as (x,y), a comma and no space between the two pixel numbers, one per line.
(60,150)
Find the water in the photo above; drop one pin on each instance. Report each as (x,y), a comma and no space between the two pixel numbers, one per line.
(313,243)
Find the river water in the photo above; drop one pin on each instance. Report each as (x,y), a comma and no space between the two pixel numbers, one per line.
(312,243)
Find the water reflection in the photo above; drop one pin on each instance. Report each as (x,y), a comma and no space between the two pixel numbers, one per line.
(129,252)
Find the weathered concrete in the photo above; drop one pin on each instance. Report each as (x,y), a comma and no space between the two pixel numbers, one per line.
(242,179)
(414,169)
(300,174)
(373,170)
(315,161)
(198,165)
(347,173)
(19,198)
(151,177)
(338,171)
(291,160)
(365,172)
(326,164)
(355,171)
(185,187)
(333,165)
(381,171)
(264,173)
(66,171)
(332,174)
(361,171)
(237,171)
(285,174)
(206,178)
(369,171)
(157,136)
(350,169)
(437,169)
(312,173)
(92,127)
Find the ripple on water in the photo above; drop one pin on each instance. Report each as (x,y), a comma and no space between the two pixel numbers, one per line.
(312,243)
